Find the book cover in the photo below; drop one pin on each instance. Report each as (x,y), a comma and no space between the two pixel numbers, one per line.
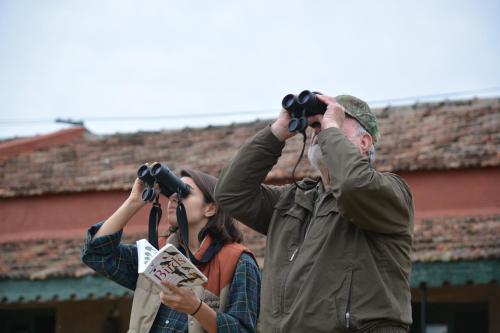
(167,263)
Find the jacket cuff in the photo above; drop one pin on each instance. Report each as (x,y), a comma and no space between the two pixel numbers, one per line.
(104,244)
(329,132)
(266,137)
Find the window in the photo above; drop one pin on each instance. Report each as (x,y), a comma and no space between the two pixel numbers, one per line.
(452,318)
(28,321)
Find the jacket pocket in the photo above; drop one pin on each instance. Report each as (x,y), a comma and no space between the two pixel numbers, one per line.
(323,222)
(328,207)
(295,211)
(344,301)
(145,305)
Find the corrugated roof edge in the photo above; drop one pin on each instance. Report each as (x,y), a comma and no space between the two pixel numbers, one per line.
(67,289)
(435,274)
(456,273)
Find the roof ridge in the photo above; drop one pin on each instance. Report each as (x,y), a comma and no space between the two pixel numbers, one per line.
(24,145)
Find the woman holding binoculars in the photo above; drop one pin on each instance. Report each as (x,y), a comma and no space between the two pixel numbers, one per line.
(228,302)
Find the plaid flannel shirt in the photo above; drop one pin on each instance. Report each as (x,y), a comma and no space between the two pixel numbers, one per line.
(118,262)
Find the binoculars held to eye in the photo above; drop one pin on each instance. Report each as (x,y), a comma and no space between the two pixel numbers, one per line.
(167,181)
(300,107)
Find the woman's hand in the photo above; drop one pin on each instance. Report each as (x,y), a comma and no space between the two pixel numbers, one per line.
(135,195)
(185,300)
(119,219)
(180,299)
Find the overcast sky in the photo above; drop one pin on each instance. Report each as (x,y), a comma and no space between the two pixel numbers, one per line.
(149,65)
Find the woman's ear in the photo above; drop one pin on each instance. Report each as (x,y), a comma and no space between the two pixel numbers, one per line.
(210,209)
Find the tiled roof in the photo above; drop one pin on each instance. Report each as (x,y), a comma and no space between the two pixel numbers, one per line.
(41,259)
(432,136)
(464,238)
(15,147)
(435,240)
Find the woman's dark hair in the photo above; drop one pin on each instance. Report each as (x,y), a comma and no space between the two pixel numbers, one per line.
(221,226)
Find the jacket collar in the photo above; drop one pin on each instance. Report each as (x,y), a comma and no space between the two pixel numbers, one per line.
(307,198)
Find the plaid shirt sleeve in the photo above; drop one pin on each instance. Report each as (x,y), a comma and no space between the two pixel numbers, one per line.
(244,297)
(108,257)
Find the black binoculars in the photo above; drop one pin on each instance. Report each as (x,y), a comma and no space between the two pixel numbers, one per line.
(167,181)
(300,107)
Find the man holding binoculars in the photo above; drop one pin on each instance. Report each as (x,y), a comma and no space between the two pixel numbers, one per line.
(338,250)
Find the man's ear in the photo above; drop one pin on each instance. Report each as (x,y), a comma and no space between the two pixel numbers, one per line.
(210,209)
(365,143)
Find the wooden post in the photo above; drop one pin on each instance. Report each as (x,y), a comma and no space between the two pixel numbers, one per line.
(423,307)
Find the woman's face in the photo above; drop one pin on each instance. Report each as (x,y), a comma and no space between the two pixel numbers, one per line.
(196,208)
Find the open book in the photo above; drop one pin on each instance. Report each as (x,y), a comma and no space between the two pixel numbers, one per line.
(168,264)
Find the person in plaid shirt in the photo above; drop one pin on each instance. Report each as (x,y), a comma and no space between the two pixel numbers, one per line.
(228,302)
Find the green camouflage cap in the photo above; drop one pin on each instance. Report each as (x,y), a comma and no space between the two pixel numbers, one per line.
(360,111)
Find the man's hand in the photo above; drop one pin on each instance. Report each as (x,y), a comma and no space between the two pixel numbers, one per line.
(334,115)
(280,127)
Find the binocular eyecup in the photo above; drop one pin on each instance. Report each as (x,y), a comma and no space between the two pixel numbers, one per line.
(300,107)
(167,181)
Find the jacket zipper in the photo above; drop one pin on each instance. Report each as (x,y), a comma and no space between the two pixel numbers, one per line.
(292,257)
(315,211)
(282,300)
(348,307)
(283,285)
(282,291)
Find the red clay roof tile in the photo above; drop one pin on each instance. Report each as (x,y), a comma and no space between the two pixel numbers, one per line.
(431,136)
(435,240)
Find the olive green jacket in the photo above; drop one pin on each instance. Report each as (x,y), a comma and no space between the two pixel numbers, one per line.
(336,259)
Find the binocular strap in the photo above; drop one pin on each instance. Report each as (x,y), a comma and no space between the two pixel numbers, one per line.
(184,233)
(154,221)
(299,159)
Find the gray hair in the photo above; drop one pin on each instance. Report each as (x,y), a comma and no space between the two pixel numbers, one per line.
(360,130)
